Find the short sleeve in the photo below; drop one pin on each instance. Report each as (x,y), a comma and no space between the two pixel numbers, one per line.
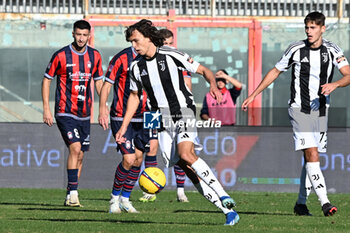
(98,74)
(53,67)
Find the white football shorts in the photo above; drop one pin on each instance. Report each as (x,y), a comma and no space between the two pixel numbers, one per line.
(175,134)
(309,130)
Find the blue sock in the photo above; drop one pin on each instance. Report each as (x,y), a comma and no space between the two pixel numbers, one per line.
(72,179)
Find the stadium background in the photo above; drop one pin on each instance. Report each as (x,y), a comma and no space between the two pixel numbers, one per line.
(244,37)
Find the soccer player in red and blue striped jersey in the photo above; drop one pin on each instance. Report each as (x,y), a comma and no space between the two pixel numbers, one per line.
(74,66)
(137,142)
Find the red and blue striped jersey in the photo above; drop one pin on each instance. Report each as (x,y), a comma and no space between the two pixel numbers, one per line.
(74,72)
(118,75)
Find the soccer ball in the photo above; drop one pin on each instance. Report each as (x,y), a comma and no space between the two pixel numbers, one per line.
(152,180)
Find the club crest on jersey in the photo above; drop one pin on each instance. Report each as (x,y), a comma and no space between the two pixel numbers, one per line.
(70,135)
(341,58)
(324,57)
(89,64)
(190,60)
(162,65)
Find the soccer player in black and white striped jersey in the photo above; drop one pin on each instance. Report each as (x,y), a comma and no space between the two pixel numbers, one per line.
(312,61)
(160,72)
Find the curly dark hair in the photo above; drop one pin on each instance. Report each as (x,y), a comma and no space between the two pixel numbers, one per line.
(147,29)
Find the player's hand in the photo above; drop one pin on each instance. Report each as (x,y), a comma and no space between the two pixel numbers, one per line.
(246,102)
(103,119)
(216,93)
(47,118)
(328,88)
(119,136)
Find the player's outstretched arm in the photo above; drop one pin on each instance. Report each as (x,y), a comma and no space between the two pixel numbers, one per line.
(209,76)
(131,107)
(268,79)
(103,109)
(45,93)
(343,82)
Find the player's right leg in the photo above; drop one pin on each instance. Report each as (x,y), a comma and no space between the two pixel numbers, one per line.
(76,136)
(300,207)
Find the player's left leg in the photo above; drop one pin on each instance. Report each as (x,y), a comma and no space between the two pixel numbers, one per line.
(316,177)
(208,193)
(203,171)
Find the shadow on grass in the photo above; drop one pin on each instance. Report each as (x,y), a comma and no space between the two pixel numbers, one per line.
(114,221)
(76,209)
(25,203)
(239,212)
(96,199)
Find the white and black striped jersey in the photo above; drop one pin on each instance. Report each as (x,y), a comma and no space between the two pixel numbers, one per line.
(311,68)
(162,78)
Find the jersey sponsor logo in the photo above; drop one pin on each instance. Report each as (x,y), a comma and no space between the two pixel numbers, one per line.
(144,73)
(305,60)
(151,120)
(190,60)
(324,57)
(341,59)
(70,65)
(81,98)
(80,88)
(49,65)
(89,64)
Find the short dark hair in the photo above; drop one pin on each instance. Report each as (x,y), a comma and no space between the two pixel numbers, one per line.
(82,24)
(316,17)
(166,33)
(147,29)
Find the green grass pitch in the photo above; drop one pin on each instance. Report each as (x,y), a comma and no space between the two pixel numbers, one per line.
(42,210)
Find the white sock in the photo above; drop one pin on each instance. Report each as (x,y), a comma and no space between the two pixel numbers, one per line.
(180,191)
(204,172)
(316,177)
(124,199)
(210,195)
(305,187)
(114,196)
(73,192)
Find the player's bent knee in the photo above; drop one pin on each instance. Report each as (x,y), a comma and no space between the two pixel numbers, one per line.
(189,157)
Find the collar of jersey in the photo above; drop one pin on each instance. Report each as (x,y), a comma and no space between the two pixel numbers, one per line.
(71,48)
